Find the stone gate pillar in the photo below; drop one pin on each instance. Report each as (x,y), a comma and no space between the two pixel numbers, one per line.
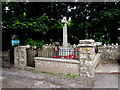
(20,57)
(87,54)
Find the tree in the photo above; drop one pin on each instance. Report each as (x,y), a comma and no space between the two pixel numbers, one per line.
(16,21)
(42,21)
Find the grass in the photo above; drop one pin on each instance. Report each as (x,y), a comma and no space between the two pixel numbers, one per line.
(68,75)
(36,71)
(92,82)
(18,69)
(53,74)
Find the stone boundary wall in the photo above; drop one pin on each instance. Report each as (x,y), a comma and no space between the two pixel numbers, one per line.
(110,52)
(107,51)
(53,65)
(87,67)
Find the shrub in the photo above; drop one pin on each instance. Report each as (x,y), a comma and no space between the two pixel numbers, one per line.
(31,42)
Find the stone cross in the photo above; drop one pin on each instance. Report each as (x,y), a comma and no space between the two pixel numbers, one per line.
(65,39)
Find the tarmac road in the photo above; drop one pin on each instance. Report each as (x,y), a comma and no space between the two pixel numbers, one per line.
(25,79)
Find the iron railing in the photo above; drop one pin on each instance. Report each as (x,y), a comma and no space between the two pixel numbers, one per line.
(67,53)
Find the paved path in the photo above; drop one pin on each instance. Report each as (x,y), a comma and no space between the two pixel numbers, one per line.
(104,80)
(107,66)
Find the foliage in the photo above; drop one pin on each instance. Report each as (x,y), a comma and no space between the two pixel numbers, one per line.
(57,25)
(18,68)
(68,75)
(31,42)
(92,82)
(42,21)
(53,74)
(36,25)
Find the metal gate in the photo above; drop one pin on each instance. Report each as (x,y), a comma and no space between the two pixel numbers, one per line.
(31,57)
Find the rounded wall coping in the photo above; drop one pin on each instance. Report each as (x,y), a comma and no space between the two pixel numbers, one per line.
(57,60)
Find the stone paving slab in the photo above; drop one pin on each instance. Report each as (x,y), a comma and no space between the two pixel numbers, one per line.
(106,81)
(107,75)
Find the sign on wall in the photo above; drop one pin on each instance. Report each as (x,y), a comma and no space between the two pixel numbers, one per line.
(15,42)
